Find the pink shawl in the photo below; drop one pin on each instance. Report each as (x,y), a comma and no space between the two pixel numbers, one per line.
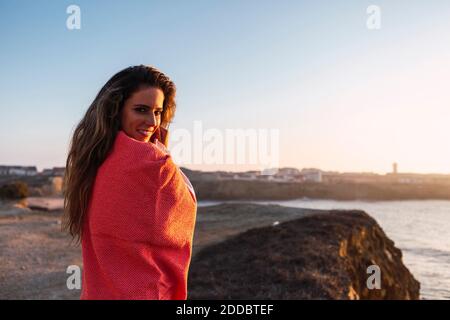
(137,236)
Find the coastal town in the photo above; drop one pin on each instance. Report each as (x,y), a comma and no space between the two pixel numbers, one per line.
(30,173)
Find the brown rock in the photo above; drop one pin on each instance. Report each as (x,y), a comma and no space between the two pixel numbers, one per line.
(320,256)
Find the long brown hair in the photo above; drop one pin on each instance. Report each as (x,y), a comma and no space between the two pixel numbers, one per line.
(95,134)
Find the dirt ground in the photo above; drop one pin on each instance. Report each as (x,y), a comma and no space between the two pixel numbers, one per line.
(35,254)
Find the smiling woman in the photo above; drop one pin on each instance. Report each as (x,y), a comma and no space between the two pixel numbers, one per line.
(132,208)
(141,114)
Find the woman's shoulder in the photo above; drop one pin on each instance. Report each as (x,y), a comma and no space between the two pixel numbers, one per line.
(125,146)
(135,160)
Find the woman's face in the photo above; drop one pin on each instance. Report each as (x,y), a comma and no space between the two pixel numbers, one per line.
(141,113)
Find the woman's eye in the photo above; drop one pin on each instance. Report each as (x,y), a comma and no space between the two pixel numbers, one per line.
(158,113)
(140,109)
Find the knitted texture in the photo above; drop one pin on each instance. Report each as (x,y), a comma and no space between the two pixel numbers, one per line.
(138,232)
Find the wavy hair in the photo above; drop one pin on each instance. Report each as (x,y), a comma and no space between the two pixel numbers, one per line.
(94,137)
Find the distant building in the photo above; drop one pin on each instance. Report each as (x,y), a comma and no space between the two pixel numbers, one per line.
(288,171)
(394,168)
(17,171)
(311,175)
(47,172)
(59,171)
(269,171)
(55,171)
(279,175)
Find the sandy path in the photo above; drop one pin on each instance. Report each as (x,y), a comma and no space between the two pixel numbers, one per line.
(34,255)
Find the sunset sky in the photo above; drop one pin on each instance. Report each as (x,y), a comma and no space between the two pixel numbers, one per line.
(344,98)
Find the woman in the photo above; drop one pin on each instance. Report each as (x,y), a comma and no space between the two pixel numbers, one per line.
(126,201)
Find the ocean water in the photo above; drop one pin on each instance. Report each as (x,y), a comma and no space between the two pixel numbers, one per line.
(421,229)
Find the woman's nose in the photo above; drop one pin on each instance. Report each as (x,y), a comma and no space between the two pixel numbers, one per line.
(151,120)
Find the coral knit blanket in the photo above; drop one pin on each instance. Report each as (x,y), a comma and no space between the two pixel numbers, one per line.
(138,232)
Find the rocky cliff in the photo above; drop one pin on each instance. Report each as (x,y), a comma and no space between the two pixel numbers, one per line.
(319,256)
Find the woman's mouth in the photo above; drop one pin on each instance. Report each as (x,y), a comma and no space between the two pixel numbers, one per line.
(145,133)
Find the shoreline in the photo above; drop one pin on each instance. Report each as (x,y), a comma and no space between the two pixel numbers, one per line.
(56,203)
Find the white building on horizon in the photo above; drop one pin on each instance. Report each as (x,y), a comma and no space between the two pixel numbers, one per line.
(18,170)
(312,175)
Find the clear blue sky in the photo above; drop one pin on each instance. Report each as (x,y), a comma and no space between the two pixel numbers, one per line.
(344,97)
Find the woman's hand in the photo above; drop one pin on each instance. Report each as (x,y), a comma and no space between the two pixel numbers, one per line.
(162,134)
